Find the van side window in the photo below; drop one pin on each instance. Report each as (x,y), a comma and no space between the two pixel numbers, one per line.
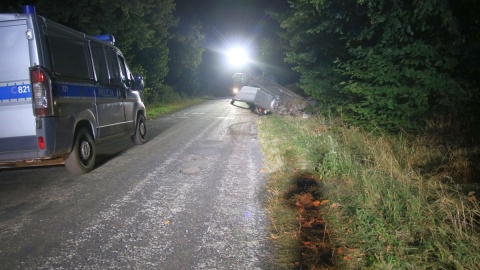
(113,65)
(69,55)
(100,63)
(125,72)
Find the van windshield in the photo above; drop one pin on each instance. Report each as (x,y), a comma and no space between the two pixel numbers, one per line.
(14,54)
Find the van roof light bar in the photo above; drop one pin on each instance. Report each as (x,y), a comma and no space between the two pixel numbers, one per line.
(106,37)
(28,9)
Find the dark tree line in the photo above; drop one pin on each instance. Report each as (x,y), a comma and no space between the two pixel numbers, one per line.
(186,56)
(386,62)
(142,30)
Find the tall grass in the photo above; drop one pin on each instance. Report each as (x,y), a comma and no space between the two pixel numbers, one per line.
(161,93)
(392,200)
(160,109)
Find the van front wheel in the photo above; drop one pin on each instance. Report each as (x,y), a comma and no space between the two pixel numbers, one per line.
(140,131)
(82,158)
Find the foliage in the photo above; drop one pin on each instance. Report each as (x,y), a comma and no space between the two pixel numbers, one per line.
(155,110)
(162,94)
(270,62)
(383,62)
(141,29)
(9,6)
(185,57)
(385,204)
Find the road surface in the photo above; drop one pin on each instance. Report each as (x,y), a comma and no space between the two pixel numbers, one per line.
(190,198)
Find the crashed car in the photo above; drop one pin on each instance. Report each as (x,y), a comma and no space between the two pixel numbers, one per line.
(258,100)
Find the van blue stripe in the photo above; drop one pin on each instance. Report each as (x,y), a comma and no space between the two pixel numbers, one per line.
(82,91)
(15,92)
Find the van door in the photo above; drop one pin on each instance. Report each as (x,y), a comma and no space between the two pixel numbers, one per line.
(17,132)
(110,96)
(130,100)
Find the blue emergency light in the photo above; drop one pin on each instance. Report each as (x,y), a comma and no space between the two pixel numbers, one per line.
(28,9)
(106,37)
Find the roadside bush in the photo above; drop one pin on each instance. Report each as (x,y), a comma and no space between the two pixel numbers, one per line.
(390,214)
(385,63)
(387,201)
(162,94)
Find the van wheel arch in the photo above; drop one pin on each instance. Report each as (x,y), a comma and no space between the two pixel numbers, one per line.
(82,157)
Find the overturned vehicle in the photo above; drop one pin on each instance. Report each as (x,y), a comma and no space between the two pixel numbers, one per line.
(257,99)
(263,97)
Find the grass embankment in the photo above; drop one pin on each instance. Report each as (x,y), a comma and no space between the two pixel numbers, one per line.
(342,198)
(156,110)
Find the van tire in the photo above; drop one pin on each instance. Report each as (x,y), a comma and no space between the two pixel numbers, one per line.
(82,158)
(140,131)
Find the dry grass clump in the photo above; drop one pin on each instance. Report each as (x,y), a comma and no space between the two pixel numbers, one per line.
(407,211)
(380,201)
(294,194)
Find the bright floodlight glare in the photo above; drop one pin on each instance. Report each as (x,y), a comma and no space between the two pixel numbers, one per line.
(237,56)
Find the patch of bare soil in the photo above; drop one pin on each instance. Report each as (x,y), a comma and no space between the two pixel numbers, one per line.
(305,196)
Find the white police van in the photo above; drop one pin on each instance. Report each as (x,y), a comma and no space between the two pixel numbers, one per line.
(61,93)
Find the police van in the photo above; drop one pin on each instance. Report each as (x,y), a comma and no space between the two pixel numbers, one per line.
(62,92)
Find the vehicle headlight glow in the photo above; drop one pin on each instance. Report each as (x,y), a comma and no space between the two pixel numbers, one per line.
(237,56)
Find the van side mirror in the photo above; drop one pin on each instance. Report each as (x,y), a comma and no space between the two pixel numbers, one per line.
(139,84)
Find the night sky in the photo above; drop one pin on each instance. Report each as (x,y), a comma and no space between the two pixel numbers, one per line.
(229,23)
(230,17)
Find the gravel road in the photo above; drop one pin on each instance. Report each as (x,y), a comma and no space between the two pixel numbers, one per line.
(191,198)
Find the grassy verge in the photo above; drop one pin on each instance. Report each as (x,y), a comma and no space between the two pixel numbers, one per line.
(342,198)
(157,110)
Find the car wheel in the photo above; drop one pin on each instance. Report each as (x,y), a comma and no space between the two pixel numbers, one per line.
(140,131)
(82,157)
(259,110)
